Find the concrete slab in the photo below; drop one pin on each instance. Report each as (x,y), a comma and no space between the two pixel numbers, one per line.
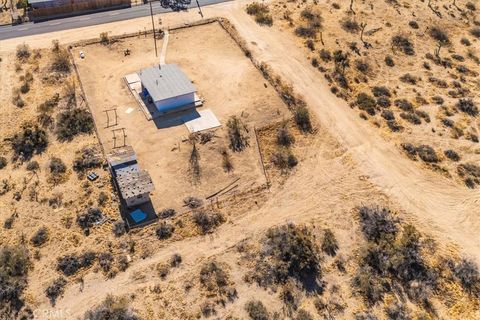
(132,78)
(206,120)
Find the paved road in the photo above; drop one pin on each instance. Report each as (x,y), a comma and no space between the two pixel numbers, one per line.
(28,29)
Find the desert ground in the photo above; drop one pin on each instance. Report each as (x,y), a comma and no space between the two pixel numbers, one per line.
(265,240)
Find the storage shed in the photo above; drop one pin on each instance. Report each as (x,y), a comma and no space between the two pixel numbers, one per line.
(133,183)
(168,88)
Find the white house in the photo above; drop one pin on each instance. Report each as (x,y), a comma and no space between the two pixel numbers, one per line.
(168,87)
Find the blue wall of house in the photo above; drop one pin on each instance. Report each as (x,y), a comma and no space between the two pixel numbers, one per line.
(171,104)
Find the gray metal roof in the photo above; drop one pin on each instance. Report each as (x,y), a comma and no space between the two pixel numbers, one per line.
(165,81)
(121,155)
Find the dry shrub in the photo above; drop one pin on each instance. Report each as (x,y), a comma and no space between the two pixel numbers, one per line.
(452,155)
(404,44)
(71,264)
(366,103)
(112,308)
(392,258)
(427,153)
(23,52)
(57,166)
(3,162)
(164,231)
(302,118)
(214,277)
(49,104)
(73,122)
(55,290)
(61,62)
(313,24)
(226,160)
(284,159)
(256,310)
(439,35)
(467,273)
(89,218)
(29,141)
(208,220)
(105,260)
(470,173)
(389,61)
(14,266)
(119,228)
(289,252)
(378,224)
(475,32)
(261,13)
(411,117)
(167,213)
(350,25)
(284,137)
(237,134)
(193,202)
(468,106)
(381,91)
(87,158)
(404,105)
(329,243)
(40,237)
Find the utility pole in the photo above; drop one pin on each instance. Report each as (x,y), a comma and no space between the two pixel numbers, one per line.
(153,26)
(199,9)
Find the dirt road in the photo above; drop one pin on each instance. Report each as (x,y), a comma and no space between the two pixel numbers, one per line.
(449,210)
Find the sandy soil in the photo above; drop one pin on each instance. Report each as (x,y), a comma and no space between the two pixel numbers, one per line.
(162,146)
(349,164)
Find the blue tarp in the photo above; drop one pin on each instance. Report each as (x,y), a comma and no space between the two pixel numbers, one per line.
(138,215)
